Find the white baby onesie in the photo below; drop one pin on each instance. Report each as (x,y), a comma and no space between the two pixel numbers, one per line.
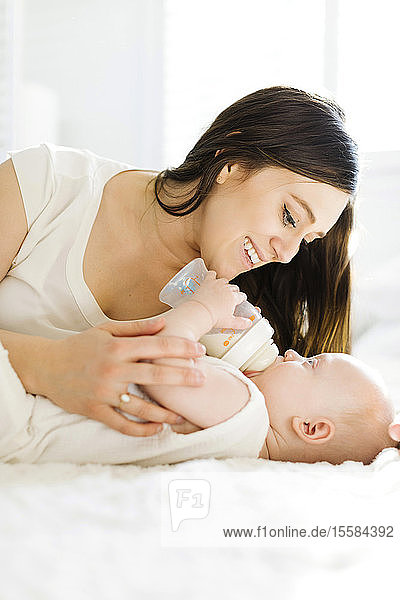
(35,430)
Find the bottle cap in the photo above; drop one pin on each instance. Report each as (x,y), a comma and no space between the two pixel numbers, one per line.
(263,358)
(258,337)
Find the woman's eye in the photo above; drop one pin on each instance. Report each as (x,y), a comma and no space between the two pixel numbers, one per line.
(287,217)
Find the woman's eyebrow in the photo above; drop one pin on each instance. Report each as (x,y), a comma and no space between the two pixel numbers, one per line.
(308,210)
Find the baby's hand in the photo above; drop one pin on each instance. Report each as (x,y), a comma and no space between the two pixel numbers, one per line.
(221,298)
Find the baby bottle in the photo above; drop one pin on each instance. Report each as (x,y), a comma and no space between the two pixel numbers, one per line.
(250,349)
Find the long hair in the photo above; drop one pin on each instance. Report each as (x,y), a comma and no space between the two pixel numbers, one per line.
(307,300)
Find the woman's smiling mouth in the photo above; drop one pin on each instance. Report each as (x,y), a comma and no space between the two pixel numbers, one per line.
(250,253)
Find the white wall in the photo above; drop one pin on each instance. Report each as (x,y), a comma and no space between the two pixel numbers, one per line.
(378,212)
(377,257)
(6,74)
(98,68)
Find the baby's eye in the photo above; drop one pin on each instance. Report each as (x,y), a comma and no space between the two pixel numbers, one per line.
(287,218)
(311,361)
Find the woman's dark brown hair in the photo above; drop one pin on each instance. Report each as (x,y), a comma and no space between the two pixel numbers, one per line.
(307,300)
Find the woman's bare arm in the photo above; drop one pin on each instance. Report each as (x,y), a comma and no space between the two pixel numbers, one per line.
(22,349)
(27,355)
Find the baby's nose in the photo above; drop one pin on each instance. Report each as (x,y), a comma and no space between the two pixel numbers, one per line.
(292,355)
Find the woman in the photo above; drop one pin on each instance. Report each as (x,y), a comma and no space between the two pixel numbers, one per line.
(271,181)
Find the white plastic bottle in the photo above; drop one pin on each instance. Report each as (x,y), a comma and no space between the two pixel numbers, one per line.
(250,349)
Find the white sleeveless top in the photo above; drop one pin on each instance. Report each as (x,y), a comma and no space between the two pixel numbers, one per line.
(44,292)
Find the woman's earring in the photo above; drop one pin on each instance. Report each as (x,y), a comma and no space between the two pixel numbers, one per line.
(219,179)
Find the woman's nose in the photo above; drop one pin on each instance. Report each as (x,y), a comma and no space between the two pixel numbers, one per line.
(292,355)
(286,249)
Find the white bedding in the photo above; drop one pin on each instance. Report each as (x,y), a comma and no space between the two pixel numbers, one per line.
(94,531)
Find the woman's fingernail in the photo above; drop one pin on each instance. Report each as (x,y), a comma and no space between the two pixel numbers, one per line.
(202,349)
(179,420)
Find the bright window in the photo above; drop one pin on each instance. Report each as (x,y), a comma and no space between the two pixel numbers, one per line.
(368,84)
(219,51)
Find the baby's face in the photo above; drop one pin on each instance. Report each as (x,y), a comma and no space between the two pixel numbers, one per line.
(297,386)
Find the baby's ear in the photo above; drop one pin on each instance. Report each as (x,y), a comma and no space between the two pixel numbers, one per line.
(313,431)
(394,429)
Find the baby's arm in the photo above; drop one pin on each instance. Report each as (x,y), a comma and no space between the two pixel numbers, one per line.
(221,396)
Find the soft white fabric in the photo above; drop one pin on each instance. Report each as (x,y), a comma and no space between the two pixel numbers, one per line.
(35,430)
(94,531)
(44,292)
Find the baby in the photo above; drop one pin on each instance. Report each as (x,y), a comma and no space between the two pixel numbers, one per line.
(330,407)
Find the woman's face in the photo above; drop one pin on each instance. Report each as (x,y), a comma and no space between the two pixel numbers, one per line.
(275,209)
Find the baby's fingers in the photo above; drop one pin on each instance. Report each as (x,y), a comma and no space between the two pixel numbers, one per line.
(241,323)
(241,297)
(185,427)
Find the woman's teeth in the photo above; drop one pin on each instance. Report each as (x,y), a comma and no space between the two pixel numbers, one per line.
(251,252)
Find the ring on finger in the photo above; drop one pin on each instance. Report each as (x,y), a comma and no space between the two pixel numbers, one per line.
(123,400)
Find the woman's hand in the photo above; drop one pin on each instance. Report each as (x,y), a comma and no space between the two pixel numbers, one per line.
(221,298)
(88,371)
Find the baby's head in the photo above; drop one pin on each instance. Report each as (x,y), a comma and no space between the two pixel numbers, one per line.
(331,407)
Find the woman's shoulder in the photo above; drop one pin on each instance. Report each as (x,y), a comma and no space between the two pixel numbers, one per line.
(78,161)
(48,160)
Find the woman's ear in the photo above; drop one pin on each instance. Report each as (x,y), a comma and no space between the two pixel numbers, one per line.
(227,168)
(313,431)
(224,173)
